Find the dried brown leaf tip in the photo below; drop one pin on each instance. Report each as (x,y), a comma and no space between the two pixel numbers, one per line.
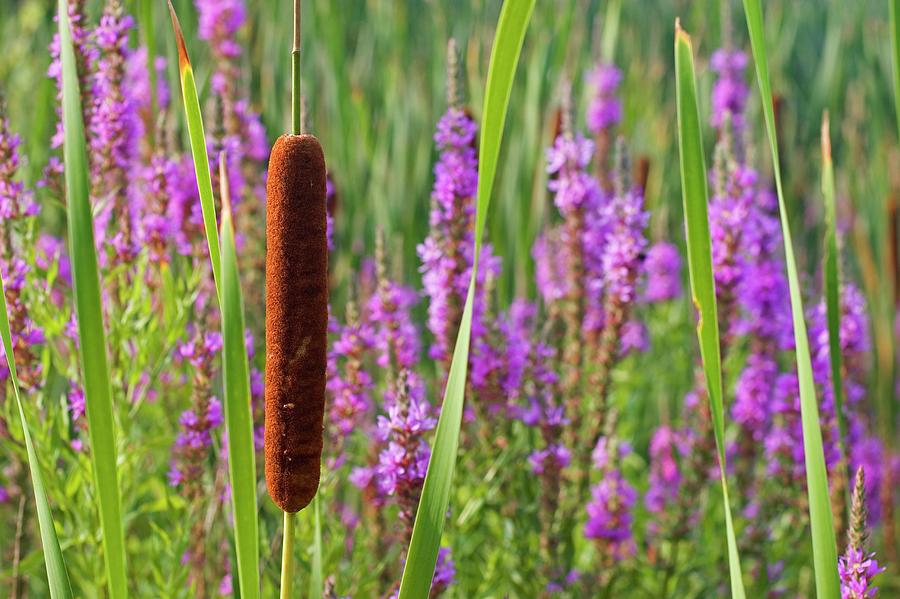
(184,63)
(224,189)
(296,319)
(826,138)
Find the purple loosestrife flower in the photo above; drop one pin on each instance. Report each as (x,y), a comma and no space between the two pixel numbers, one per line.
(753,395)
(487,357)
(26,334)
(85,56)
(444,576)
(242,136)
(447,252)
(404,460)
(623,251)
(572,186)
(729,95)
(17,208)
(633,338)
(783,445)
(185,212)
(869,453)
(857,568)
(576,194)
(76,406)
(545,411)
(219,22)
(663,266)
(195,437)
(610,508)
(857,571)
(115,128)
(348,382)
(864,449)
(553,457)
(615,268)
(137,75)
(729,215)
(15,201)
(854,343)
(515,327)
(160,230)
(605,108)
(665,474)
(444,573)
(396,336)
(604,112)
(550,267)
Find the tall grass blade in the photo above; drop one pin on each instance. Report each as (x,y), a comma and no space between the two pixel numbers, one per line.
(238,413)
(820,516)
(832,276)
(895,47)
(694,195)
(429,525)
(57,575)
(199,153)
(89,312)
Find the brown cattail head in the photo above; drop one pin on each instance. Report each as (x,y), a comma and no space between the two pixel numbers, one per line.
(296,319)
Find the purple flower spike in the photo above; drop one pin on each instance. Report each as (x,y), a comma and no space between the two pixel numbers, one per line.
(605,109)
(729,95)
(609,510)
(663,265)
(856,571)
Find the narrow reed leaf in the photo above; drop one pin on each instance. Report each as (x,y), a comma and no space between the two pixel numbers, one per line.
(820,516)
(610,35)
(694,195)
(895,46)
(238,413)
(89,312)
(199,152)
(429,525)
(831,270)
(57,574)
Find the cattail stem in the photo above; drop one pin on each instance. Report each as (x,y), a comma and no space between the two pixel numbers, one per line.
(296,120)
(287,553)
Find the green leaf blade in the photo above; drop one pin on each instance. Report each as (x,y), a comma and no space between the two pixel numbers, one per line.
(199,153)
(699,245)
(432,510)
(238,412)
(821,519)
(832,281)
(895,47)
(89,312)
(57,573)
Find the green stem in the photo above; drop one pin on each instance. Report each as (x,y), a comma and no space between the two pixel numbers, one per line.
(670,568)
(296,118)
(287,554)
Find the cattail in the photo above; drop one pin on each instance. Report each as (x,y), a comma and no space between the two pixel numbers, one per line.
(296,319)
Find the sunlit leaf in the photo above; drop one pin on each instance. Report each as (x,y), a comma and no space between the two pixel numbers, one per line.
(432,511)
(694,195)
(89,313)
(820,516)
